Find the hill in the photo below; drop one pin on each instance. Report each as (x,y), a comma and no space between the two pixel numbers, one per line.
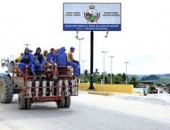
(156,78)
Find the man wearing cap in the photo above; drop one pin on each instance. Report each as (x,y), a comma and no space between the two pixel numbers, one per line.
(26,59)
(72,62)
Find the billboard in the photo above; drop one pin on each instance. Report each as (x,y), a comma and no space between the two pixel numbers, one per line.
(92,16)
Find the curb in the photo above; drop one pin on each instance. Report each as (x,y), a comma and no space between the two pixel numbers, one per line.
(101,93)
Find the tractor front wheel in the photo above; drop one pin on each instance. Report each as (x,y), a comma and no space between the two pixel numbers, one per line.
(6,89)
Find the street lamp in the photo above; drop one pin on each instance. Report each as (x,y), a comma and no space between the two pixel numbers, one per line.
(104,66)
(79,48)
(83,69)
(111,69)
(126,62)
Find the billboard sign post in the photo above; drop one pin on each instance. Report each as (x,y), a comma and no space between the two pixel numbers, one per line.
(92,17)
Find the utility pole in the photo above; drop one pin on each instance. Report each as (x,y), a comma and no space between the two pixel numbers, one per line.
(79,47)
(104,66)
(126,62)
(79,52)
(111,57)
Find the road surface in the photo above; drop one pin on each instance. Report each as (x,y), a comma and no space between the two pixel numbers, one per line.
(90,112)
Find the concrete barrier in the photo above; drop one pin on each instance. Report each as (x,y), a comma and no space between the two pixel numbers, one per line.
(122,88)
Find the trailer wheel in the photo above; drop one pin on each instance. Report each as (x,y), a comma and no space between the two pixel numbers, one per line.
(67,101)
(28,103)
(21,101)
(6,89)
(61,103)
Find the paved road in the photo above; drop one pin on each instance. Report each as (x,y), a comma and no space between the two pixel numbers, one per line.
(87,112)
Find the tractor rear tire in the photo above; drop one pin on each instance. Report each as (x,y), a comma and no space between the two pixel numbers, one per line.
(28,103)
(6,89)
(67,102)
(21,101)
(61,103)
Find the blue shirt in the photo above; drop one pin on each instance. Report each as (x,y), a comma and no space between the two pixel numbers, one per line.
(51,57)
(27,58)
(61,57)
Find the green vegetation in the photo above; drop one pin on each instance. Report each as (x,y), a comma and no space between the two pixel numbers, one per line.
(116,79)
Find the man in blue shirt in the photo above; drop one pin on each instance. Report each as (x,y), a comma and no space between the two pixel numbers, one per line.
(26,60)
(51,61)
(61,57)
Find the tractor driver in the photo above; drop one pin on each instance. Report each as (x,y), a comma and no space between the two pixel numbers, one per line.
(26,60)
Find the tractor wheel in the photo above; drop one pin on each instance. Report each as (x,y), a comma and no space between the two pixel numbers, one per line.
(61,103)
(21,101)
(6,89)
(67,102)
(28,103)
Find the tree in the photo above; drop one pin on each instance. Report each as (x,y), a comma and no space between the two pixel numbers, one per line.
(86,76)
(96,76)
(134,81)
(117,79)
(124,77)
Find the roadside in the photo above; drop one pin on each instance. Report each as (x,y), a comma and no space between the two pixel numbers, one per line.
(155,107)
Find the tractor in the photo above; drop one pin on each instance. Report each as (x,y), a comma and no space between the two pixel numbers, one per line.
(32,90)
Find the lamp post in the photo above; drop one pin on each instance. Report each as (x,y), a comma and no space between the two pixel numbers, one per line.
(79,52)
(111,57)
(104,66)
(79,47)
(126,62)
(83,69)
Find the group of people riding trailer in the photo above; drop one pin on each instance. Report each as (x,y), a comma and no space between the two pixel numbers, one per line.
(42,77)
(39,61)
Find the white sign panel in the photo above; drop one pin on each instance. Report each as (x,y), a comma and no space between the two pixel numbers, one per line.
(92,16)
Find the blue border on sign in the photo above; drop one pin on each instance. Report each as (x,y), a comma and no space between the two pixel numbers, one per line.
(92,27)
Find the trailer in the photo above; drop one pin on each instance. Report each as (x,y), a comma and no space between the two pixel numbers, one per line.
(46,89)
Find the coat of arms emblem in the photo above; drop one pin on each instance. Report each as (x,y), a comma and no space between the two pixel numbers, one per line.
(92,14)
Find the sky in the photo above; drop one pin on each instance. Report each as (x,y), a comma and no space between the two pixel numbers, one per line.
(143,41)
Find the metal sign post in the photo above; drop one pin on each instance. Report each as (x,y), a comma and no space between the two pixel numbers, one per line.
(91,59)
(92,17)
